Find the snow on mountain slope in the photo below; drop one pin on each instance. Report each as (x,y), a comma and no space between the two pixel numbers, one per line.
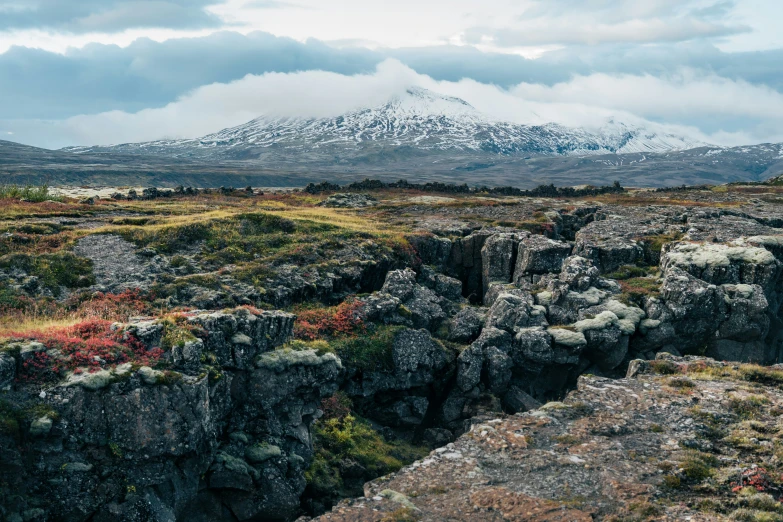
(419,120)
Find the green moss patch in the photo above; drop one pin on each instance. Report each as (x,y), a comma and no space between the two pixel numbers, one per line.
(53,270)
(369,352)
(346,441)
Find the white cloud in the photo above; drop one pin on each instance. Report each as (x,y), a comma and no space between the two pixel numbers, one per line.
(521,26)
(677,104)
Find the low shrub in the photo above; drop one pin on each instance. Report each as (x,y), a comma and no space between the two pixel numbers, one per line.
(314,322)
(90,344)
(340,437)
(32,193)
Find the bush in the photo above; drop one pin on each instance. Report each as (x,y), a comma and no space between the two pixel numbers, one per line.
(351,438)
(91,344)
(628,272)
(255,224)
(636,289)
(341,320)
(748,407)
(34,193)
(368,353)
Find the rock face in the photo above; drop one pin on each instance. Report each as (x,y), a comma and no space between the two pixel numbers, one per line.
(149,445)
(206,415)
(623,446)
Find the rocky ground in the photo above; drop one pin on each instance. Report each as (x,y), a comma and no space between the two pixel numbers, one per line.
(677,439)
(256,355)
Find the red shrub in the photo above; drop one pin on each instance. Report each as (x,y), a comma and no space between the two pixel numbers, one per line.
(341,320)
(338,406)
(92,344)
(114,307)
(757,478)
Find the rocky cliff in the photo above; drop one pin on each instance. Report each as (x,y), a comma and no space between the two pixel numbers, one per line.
(267,367)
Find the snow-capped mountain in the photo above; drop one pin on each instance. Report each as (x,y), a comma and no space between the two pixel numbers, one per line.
(415,123)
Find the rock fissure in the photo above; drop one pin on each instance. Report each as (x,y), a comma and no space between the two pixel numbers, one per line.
(244,414)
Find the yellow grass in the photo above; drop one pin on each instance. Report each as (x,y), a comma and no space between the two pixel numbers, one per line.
(37,324)
(341,218)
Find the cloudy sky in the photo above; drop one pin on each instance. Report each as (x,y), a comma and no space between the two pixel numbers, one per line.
(80,72)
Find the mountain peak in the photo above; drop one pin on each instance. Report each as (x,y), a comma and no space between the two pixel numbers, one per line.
(416,121)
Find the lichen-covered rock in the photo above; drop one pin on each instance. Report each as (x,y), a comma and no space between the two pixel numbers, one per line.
(442,285)
(7,371)
(539,255)
(579,273)
(608,245)
(237,337)
(746,310)
(187,355)
(466,325)
(533,345)
(415,349)
(497,257)
(402,301)
(134,444)
(400,394)
(432,250)
(400,284)
(724,264)
(512,311)
(349,200)
(472,360)
(621,445)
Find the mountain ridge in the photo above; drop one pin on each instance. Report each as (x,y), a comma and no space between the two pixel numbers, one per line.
(418,118)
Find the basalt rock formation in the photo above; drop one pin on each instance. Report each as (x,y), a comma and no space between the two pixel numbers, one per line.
(500,332)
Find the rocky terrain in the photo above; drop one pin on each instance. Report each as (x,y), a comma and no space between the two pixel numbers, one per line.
(245,355)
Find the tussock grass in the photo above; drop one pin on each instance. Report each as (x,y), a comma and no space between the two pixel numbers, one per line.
(10,326)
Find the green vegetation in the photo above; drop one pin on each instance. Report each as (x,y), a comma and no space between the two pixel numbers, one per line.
(636,289)
(370,352)
(655,243)
(681,383)
(175,333)
(32,193)
(343,437)
(698,466)
(631,271)
(13,416)
(53,270)
(748,407)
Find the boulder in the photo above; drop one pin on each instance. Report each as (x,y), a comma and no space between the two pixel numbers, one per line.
(7,371)
(510,312)
(533,345)
(402,301)
(539,255)
(497,259)
(236,337)
(466,325)
(746,309)
(349,201)
(757,352)
(443,285)
(400,284)
(725,264)
(414,350)
(607,246)
(517,401)
(432,250)
(579,273)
